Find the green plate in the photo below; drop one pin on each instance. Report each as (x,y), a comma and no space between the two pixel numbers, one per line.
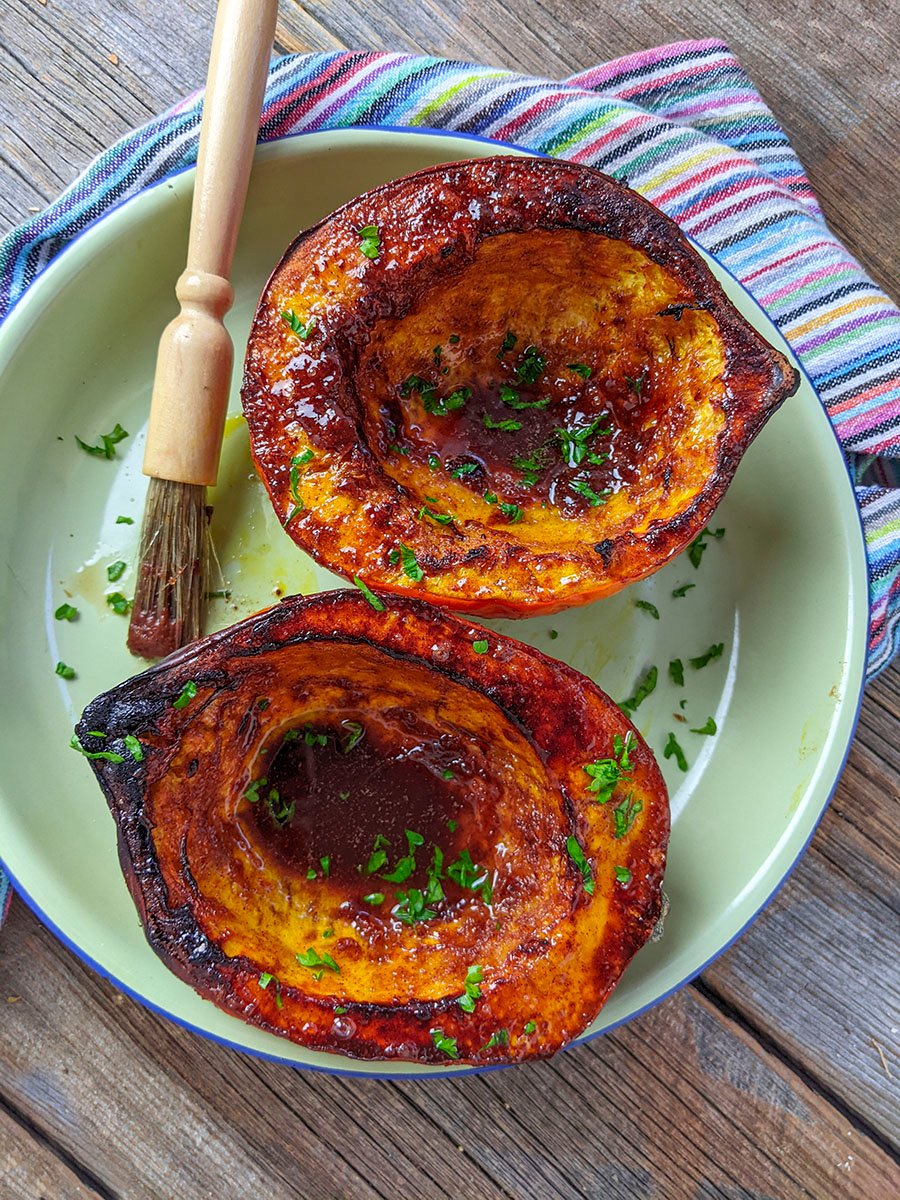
(784,590)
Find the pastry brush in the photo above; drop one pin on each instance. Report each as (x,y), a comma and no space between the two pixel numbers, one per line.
(195,357)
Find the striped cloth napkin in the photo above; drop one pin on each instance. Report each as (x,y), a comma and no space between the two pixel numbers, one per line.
(684,125)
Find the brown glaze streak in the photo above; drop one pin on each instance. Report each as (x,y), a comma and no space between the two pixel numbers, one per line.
(575,265)
(224,900)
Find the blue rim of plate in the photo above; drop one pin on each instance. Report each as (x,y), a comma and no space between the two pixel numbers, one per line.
(430,1072)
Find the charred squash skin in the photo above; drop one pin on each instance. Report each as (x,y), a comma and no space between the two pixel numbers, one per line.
(535,385)
(375,725)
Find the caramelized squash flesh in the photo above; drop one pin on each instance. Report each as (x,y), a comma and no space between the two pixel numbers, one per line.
(525,377)
(375,833)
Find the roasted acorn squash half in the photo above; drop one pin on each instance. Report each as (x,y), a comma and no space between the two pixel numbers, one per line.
(508,385)
(387,834)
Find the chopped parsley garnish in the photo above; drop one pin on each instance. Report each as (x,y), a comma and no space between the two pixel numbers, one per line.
(641,692)
(584,489)
(464,469)
(108,443)
(340,1010)
(434,893)
(474,977)
(513,399)
(106,755)
(441,405)
(673,750)
(65,671)
(507,426)
(66,612)
(574,442)
(186,695)
(647,607)
(374,898)
(412,907)
(406,865)
(676,672)
(530,467)
(301,459)
(439,518)
(624,814)
(481,646)
(709,727)
(607,773)
(444,1043)
(683,590)
(580,369)
(378,857)
(116,570)
(698,546)
(325,864)
(623,875)
(433,462)
(500,1038)
(134,747)
(529,1027)
(411,568)
(369,595)
(293,514)
(530,367)
(311,873)
(355,734)
(124,520)
(512,512)
(636,385)
(490,497)
(507,344)
(451,824)
(453,339)
(552,634)
(279,810)
(370,241)
(317,965)
(302,331)
(119,603)
(252,792)
(702,659)
(264,980)
(222,594)
(573,846)
(464,872)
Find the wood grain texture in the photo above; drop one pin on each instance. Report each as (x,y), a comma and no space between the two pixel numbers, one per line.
(680,1103)
(30,1168)
(777,1075)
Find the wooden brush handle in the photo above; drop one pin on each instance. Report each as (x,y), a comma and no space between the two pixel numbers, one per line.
(193,366)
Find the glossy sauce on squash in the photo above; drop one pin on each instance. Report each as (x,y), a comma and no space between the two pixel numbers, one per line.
(374,387)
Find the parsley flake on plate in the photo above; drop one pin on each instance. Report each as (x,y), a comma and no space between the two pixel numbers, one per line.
(646,685)
(107,445)
(673,750)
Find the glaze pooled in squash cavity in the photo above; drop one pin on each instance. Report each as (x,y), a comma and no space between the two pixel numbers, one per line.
(373,832)
(525,393)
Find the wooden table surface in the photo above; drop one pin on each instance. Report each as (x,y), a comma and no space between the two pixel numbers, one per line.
(773,1075)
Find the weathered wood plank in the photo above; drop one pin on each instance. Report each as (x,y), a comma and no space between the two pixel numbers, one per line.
(29,1168)
(680,1103)
(817,972)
